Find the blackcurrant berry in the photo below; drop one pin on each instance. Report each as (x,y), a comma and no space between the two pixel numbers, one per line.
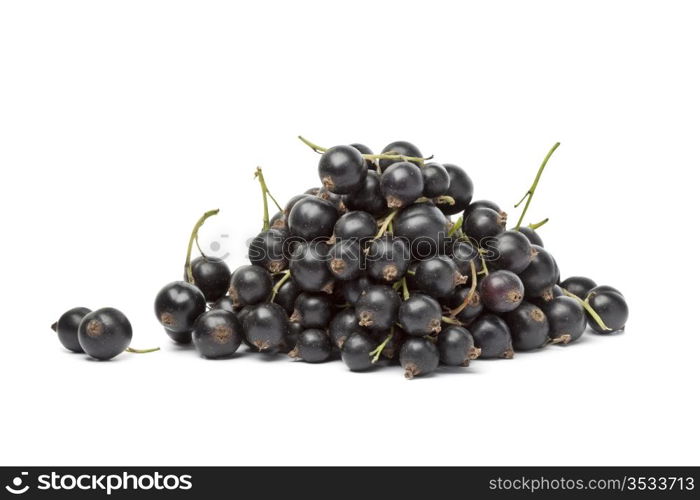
(604,288)
(492,336)
(456,346)
(463,254)
(501,291)
(365,150)
(342,169)
(104,333)
(438,276)
(268,250)
(217,333)
(578,285)
(420,315)
(355,225)
(612,308)
(309,266)
(295,199)
(312,310)
(345,259)
(481,204)
(482,224)
(401,184)
(250,285)
(511,251)
(352,290)
(177,307)
(356,350)
(528,325)
(461,190)
(342,326)
(337,200)
(211,275)
(292,337)
(278,221)
(286,295)
(418,356)
(265,326)
(67,327)
(531,235)
(226,304)
(378,307)
(473,308)
(424,227)
(312,217)
(400,148)
(369,197)
(541,275)
(566,318)
(313,346)
(436,180)
(387,259)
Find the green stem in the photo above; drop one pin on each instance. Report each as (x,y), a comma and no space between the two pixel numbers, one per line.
(278,285)
(530,192)
(539,224)
(404,288)
(455,227)
(378,351)
(484,267)
(596,317)
(193,237)
(472,291)
(263,188)
(142,351)
(383,156)
(451,321)
(386,223)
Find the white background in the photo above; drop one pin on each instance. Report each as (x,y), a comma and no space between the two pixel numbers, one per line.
(122,122)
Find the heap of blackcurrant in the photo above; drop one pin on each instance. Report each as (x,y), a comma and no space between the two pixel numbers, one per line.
(369,267)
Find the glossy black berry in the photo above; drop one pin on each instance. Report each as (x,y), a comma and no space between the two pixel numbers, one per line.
(473,308)
(424,227)
(402,148)
(291,338)
(438,276)
(67,325)
(286,295)
(528,325)
(356,350)
(269,250)
(226,304)
(265,326)
(312,217)
(401,184)
(177,307)
(418,357)
(501,291)
(313,346)
(250,285)
(295,199)
(211,275)
(481,204)
(217,333)
(483,223)
(531,235)
(378,307)
(365,150)
(313,310)
(309,266)
(343,324)
(335,199)
(436,180)
(612,308)
(387,259)
(566,318)
(456,346)
(355,225)
(578,285)
(604,288)
(510,250)
(369,197)
(352,290)
(342,169)
(461,190)
(541,275)
(345,259)
(492,336)
(105,333)
(420,315)
(278,221)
